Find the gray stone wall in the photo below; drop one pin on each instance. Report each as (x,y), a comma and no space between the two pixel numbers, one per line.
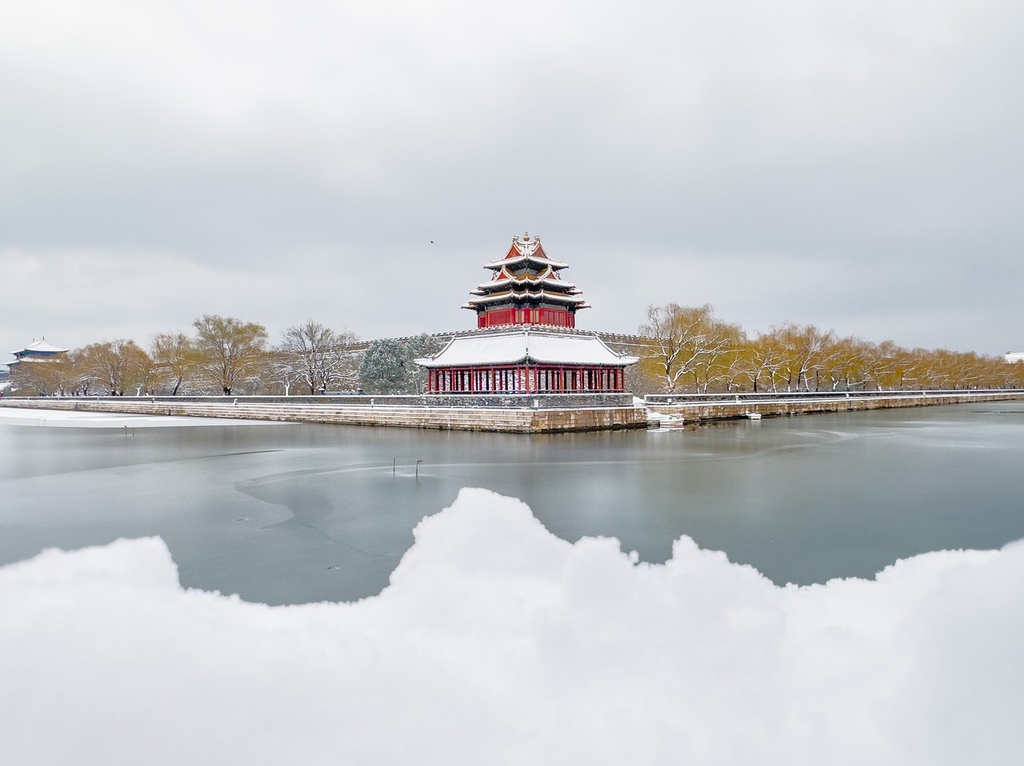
(475,401)
(511,420)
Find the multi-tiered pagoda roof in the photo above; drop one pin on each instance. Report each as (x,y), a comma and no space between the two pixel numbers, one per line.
(509,353)
(526,288)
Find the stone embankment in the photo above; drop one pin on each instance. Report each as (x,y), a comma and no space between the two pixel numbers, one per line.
(514,414)
(502,419)
(680,409)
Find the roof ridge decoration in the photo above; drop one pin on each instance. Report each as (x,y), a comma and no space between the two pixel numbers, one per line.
(527,245)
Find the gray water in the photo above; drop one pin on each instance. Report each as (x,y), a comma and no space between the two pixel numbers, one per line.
(299,513)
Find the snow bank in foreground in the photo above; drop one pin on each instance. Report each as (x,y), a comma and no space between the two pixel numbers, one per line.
(499,643)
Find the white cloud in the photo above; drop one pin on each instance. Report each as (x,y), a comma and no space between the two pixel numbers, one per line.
(498,641)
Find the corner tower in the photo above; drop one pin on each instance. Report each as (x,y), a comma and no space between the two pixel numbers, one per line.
(526,288)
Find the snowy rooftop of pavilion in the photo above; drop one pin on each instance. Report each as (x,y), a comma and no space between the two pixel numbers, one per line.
(525,345)
(39,347)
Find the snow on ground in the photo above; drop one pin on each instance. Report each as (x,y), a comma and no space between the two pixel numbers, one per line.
(15,416)
(499,643)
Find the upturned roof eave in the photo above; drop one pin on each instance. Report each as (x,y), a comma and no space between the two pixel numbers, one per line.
(496,265)
(537,296)
(40,347)
(499,283)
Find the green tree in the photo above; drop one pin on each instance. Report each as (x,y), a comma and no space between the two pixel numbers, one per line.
(388,366)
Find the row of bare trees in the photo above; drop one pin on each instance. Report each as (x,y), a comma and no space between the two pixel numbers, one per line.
(683,348)
(691,349)
(224,355)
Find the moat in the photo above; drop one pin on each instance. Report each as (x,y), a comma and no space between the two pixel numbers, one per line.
(291,513)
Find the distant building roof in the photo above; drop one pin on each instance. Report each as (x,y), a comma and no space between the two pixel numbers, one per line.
(524,345)
(39,348)
(1015,356)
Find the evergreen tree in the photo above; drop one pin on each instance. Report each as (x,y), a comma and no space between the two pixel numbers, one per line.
(388,366)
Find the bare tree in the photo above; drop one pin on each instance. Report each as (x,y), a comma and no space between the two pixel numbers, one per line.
(118,365)
(317,355)
(229,350)
(766,360)
(686,343)
(804,351)
(45,377)
(175,359)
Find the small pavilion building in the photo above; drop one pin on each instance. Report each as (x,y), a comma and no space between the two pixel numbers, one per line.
(35,364)
(525,342)
(37,351)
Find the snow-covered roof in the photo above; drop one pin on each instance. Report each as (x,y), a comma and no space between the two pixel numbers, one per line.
(525,345)
(526,295)
(554,282)
(526,248)
(511,261)
(39,347)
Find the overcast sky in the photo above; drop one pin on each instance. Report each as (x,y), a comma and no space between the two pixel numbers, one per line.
(853,165)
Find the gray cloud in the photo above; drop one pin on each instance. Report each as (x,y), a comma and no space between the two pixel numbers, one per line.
(855,167)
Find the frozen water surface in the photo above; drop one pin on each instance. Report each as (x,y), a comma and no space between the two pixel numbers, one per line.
(299,513)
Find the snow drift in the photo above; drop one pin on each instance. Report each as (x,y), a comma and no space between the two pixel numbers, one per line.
(498,643)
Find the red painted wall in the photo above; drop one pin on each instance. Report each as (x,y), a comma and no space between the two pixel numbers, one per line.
(499,317)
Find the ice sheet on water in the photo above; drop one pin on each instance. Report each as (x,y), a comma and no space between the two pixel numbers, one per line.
(497,642)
